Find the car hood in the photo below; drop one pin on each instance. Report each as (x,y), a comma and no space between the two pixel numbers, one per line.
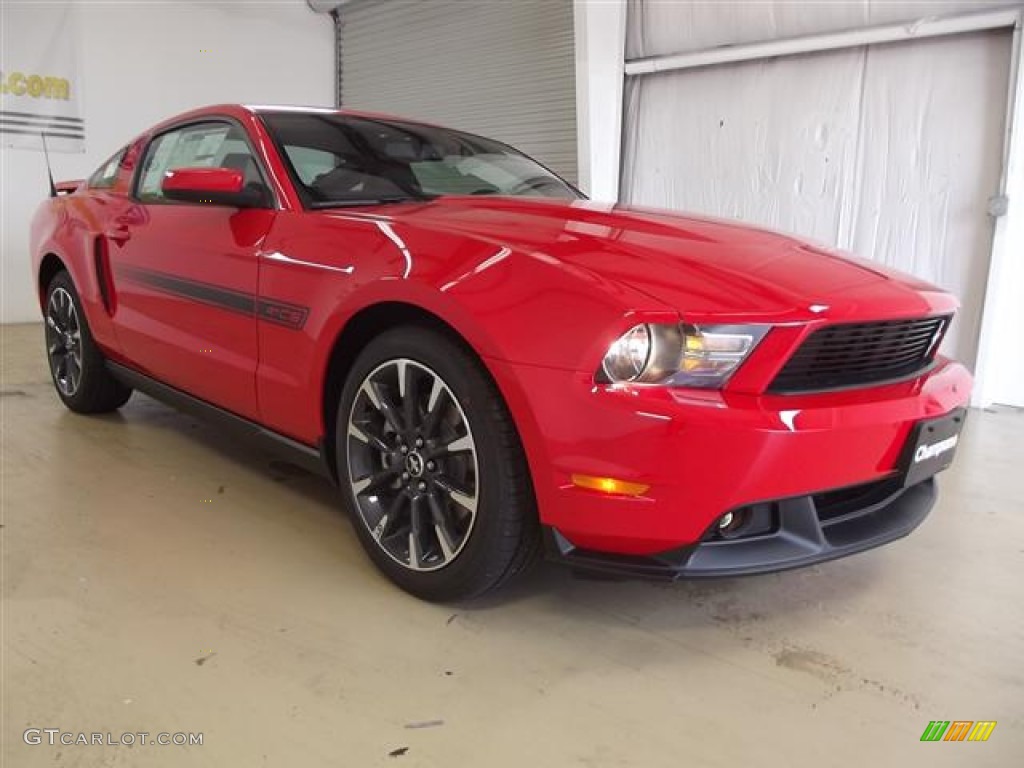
(701,267)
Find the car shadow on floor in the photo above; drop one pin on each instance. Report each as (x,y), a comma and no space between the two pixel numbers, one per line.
(721,602)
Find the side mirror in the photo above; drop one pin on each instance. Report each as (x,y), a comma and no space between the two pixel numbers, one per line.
(214,186)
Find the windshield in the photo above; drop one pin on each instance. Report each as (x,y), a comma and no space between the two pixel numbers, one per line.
(343,159)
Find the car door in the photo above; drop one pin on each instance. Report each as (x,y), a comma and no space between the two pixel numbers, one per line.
(186,273)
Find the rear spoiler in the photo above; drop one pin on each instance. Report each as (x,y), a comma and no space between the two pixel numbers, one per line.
(67,187)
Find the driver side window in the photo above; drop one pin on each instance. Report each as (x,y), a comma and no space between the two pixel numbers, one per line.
(202,145)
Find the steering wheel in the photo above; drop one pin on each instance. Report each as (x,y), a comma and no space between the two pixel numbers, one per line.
(326,180)
(534,184)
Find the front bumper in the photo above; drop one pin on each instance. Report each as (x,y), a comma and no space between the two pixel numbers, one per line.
(704,453)
(805,530)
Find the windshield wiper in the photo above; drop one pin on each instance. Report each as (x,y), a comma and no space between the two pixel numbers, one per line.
(365,201)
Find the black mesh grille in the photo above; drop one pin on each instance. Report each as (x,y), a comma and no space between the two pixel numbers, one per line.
(854,354)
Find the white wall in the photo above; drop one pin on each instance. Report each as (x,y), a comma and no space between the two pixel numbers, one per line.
(144,61)
(600,39)
(1000,375)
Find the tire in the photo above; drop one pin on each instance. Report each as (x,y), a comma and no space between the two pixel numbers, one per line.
(77,368)
(452,516)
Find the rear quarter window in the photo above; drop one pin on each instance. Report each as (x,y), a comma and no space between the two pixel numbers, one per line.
(105,176)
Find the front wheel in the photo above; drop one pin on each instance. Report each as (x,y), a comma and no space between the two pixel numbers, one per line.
(432,469)
(80,376)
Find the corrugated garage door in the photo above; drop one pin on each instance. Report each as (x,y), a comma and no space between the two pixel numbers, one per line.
(500,69)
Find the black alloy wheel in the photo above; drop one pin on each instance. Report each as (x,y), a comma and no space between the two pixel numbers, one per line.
(77,365)
(432,468)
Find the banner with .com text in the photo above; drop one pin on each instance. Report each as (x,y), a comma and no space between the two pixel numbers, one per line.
(40,79)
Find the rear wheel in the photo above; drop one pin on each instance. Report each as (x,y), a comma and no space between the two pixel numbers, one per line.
(432,469)
(80,377)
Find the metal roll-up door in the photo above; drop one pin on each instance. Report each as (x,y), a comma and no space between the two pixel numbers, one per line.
(500,69)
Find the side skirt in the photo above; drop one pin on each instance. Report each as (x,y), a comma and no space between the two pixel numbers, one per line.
(311,459)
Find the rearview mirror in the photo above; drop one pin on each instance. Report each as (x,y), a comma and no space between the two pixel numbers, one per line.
(214,186)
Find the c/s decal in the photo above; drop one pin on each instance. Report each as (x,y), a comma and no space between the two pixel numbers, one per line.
(282,313)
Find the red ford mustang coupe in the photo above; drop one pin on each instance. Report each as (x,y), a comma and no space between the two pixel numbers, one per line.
(486,363)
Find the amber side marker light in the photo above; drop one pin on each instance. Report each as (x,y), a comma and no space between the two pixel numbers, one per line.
(610,485)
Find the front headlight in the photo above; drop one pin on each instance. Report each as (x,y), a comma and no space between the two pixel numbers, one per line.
(679,355)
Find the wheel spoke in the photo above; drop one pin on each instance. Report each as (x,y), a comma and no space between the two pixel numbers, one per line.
(460,495)
(435,407)
(414,552)
(412,465)
(446,544)
(73,371)
(408,391)
(374,481)
(402,366)
(464,501)
(387,408)
(415,532)
(362,432)
(444,538)
(462,444)
(65,313)
(386,525)
(371,395)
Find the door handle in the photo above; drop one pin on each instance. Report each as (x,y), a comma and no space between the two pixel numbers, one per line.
(119,235)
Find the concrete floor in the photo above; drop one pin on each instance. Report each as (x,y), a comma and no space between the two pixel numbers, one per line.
(158,577)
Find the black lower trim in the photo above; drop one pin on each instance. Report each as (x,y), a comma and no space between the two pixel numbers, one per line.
(309,458)
(800,537)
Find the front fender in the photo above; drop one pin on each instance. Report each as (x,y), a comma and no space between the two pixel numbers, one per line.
(509,305)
